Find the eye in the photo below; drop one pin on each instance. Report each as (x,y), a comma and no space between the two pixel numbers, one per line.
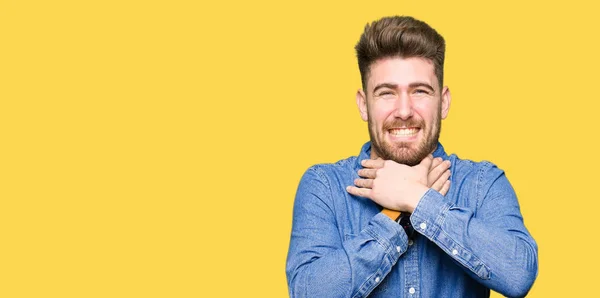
(422,91)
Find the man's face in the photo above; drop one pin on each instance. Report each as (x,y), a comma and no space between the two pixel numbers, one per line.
(403,105)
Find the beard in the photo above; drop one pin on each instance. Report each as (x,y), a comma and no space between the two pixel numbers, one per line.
(403,152)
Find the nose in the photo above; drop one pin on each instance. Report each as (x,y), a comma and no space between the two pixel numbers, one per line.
(403,108)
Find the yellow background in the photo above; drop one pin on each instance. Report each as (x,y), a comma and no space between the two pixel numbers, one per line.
(153,148)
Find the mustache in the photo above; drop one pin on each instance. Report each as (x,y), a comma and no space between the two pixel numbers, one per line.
(400,123)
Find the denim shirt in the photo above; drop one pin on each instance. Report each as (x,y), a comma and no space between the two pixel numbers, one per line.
(469,241)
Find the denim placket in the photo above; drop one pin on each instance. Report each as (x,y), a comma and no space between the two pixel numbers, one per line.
(411,270)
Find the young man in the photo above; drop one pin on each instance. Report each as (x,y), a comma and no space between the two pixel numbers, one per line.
(403,218)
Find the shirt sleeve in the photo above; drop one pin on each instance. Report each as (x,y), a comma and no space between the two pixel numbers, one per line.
(490,242)
(320,262)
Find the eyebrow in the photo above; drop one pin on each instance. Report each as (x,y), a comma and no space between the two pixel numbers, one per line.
(395,86)
(420,84)
(385,85)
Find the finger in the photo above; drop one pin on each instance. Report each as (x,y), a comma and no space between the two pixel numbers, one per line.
(426,162)
(368,173)
(445,188)
(372,163)
(366,183)
(436,161)
(436,170)
(439,183)
(360,192)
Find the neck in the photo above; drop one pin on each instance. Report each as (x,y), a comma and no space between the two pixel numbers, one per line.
(374,154)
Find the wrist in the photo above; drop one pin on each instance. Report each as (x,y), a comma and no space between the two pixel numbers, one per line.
(416,197)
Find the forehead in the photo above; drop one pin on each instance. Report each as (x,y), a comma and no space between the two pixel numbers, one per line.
(402,72)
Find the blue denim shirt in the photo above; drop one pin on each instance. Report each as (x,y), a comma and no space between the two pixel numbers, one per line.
(469,241)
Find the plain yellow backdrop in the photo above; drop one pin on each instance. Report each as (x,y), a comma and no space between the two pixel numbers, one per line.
(153,148)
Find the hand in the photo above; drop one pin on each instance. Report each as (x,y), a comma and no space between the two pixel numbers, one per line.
(392,185)
(439,174)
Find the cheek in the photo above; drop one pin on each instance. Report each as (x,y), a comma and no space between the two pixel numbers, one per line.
(426,110)
(379,113)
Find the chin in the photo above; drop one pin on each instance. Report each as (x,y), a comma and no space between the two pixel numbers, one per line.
(408,160)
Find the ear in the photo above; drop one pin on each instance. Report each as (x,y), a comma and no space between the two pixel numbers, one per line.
(446,98)
(361,103)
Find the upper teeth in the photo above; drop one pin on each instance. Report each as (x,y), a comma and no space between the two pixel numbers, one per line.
(404,131)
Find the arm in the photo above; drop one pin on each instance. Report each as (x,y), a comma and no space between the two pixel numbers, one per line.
(322,264)
(491,243)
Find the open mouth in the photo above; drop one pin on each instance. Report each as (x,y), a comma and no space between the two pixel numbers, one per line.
(404,131)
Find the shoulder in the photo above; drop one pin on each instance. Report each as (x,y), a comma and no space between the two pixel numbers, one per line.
(481,169)
(331,171)
(323,182)
(479,178)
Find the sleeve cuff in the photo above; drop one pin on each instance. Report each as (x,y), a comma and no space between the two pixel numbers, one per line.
(388,234)
(429,214)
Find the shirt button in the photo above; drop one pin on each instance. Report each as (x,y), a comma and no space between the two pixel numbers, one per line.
(411,290)
(410,242)
(423,226)
(454,252)
(377,279)
(398,248)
